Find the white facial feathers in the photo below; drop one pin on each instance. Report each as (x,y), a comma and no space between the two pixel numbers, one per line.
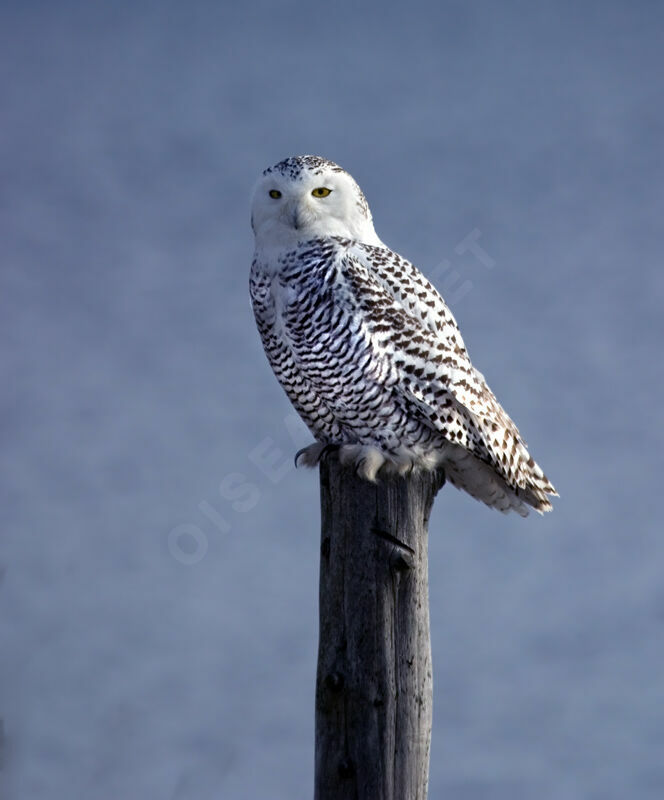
(288,204)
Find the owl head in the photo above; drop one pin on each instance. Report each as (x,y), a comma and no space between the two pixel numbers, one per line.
(306,197)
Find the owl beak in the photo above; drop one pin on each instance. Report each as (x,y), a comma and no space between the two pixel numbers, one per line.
(296,216)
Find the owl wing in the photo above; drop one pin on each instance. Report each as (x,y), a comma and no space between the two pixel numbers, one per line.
(421,300)
(404,335)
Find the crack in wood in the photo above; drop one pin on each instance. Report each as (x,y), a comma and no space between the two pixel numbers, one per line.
(388,537)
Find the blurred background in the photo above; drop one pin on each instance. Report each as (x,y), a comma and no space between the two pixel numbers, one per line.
(158,552)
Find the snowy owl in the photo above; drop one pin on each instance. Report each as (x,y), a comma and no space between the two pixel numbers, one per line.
(367,350)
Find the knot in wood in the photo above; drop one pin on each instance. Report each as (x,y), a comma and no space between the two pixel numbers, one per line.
(401,560)
(346,768)
(334,681)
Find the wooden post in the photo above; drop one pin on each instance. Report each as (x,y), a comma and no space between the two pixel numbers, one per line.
(374,683)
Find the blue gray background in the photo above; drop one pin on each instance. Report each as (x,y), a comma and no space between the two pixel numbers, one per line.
(159,555)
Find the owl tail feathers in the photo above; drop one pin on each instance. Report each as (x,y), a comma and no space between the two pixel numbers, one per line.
(537,487)
(482,482)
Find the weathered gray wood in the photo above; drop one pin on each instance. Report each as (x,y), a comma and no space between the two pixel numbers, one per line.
(374,681)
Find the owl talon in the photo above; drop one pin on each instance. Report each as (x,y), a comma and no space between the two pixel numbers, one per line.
(328,450)
(407,468)
(313,454)
(299,453)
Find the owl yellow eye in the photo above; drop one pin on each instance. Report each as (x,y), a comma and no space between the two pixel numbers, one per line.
(275,194)
(321,191)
